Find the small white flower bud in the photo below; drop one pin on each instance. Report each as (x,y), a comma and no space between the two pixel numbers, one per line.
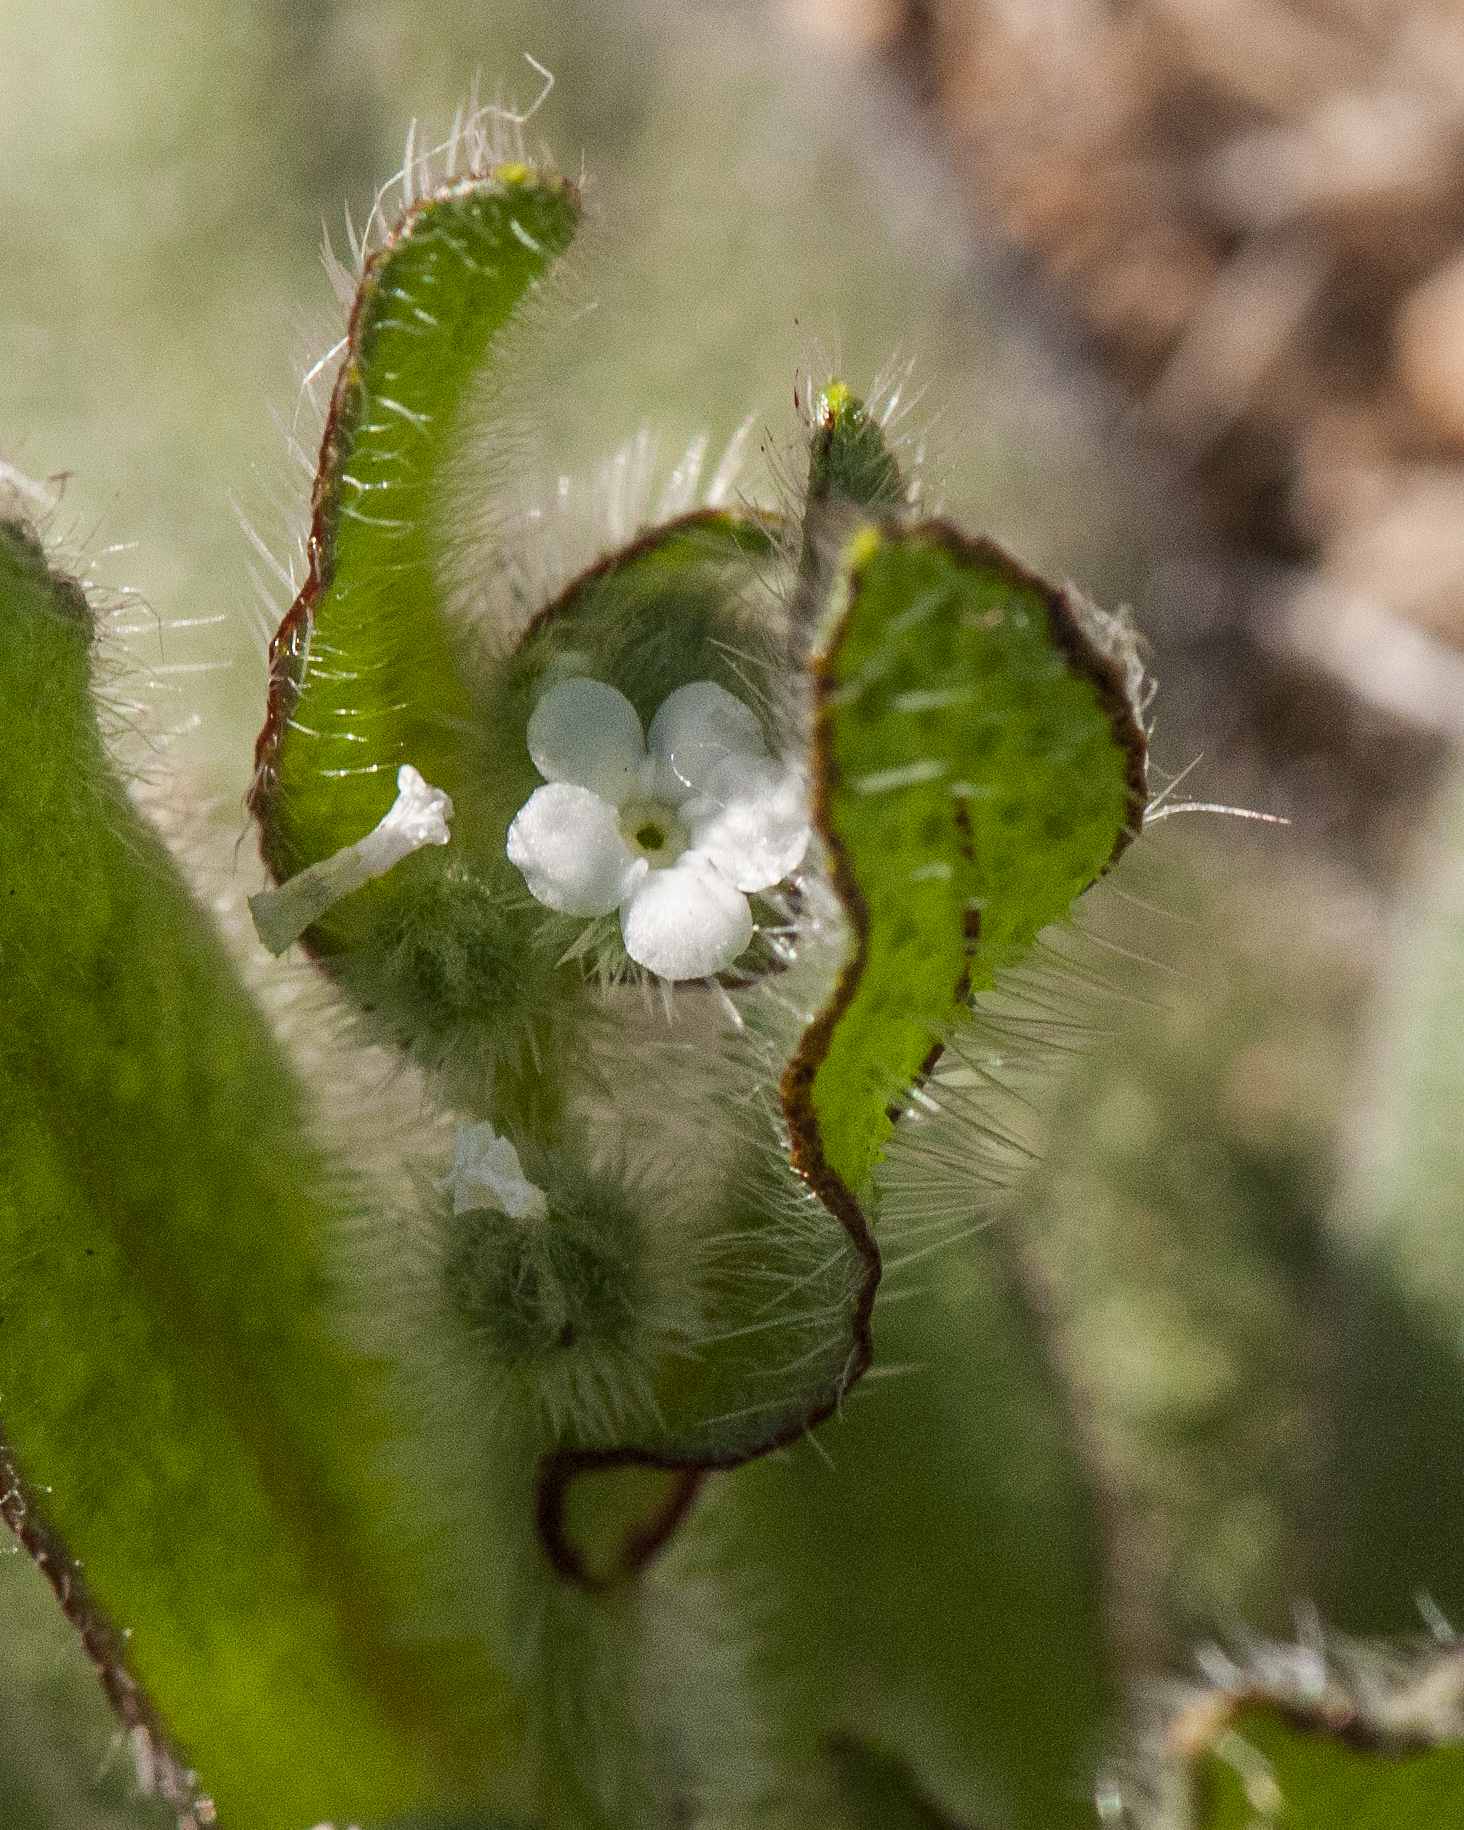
(486,1172)
(417,817)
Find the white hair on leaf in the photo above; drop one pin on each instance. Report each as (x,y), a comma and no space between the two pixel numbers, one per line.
(680,490)
(724,478)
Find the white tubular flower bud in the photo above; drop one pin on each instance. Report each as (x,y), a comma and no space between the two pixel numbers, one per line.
(417,817)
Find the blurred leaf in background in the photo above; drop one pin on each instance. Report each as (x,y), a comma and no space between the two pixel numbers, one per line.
(63,1759)
(1397,1493)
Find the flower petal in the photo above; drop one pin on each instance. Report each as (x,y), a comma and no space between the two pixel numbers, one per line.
(585,732)
(686,922)
(700,725)
(566,842)
(752,821)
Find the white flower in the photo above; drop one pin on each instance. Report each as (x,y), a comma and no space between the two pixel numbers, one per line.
(675,830)
(417,817)
(486,1172)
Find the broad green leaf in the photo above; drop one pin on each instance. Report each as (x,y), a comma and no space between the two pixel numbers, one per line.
(184,1417)
(1265,1766)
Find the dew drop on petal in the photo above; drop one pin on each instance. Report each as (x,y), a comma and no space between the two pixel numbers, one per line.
(687,922)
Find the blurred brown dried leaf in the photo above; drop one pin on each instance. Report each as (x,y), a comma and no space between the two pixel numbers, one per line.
(1255,210)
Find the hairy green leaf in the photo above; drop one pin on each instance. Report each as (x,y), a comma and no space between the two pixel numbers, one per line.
(364,675)
(979,761)
(190,1431)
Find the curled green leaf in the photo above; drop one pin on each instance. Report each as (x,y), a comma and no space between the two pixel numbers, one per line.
(364,674)
(978,761)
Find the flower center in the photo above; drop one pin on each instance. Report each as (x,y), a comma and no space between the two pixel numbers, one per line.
(654,831)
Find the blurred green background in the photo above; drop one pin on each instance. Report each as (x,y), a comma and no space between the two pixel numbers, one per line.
(1240,1231)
